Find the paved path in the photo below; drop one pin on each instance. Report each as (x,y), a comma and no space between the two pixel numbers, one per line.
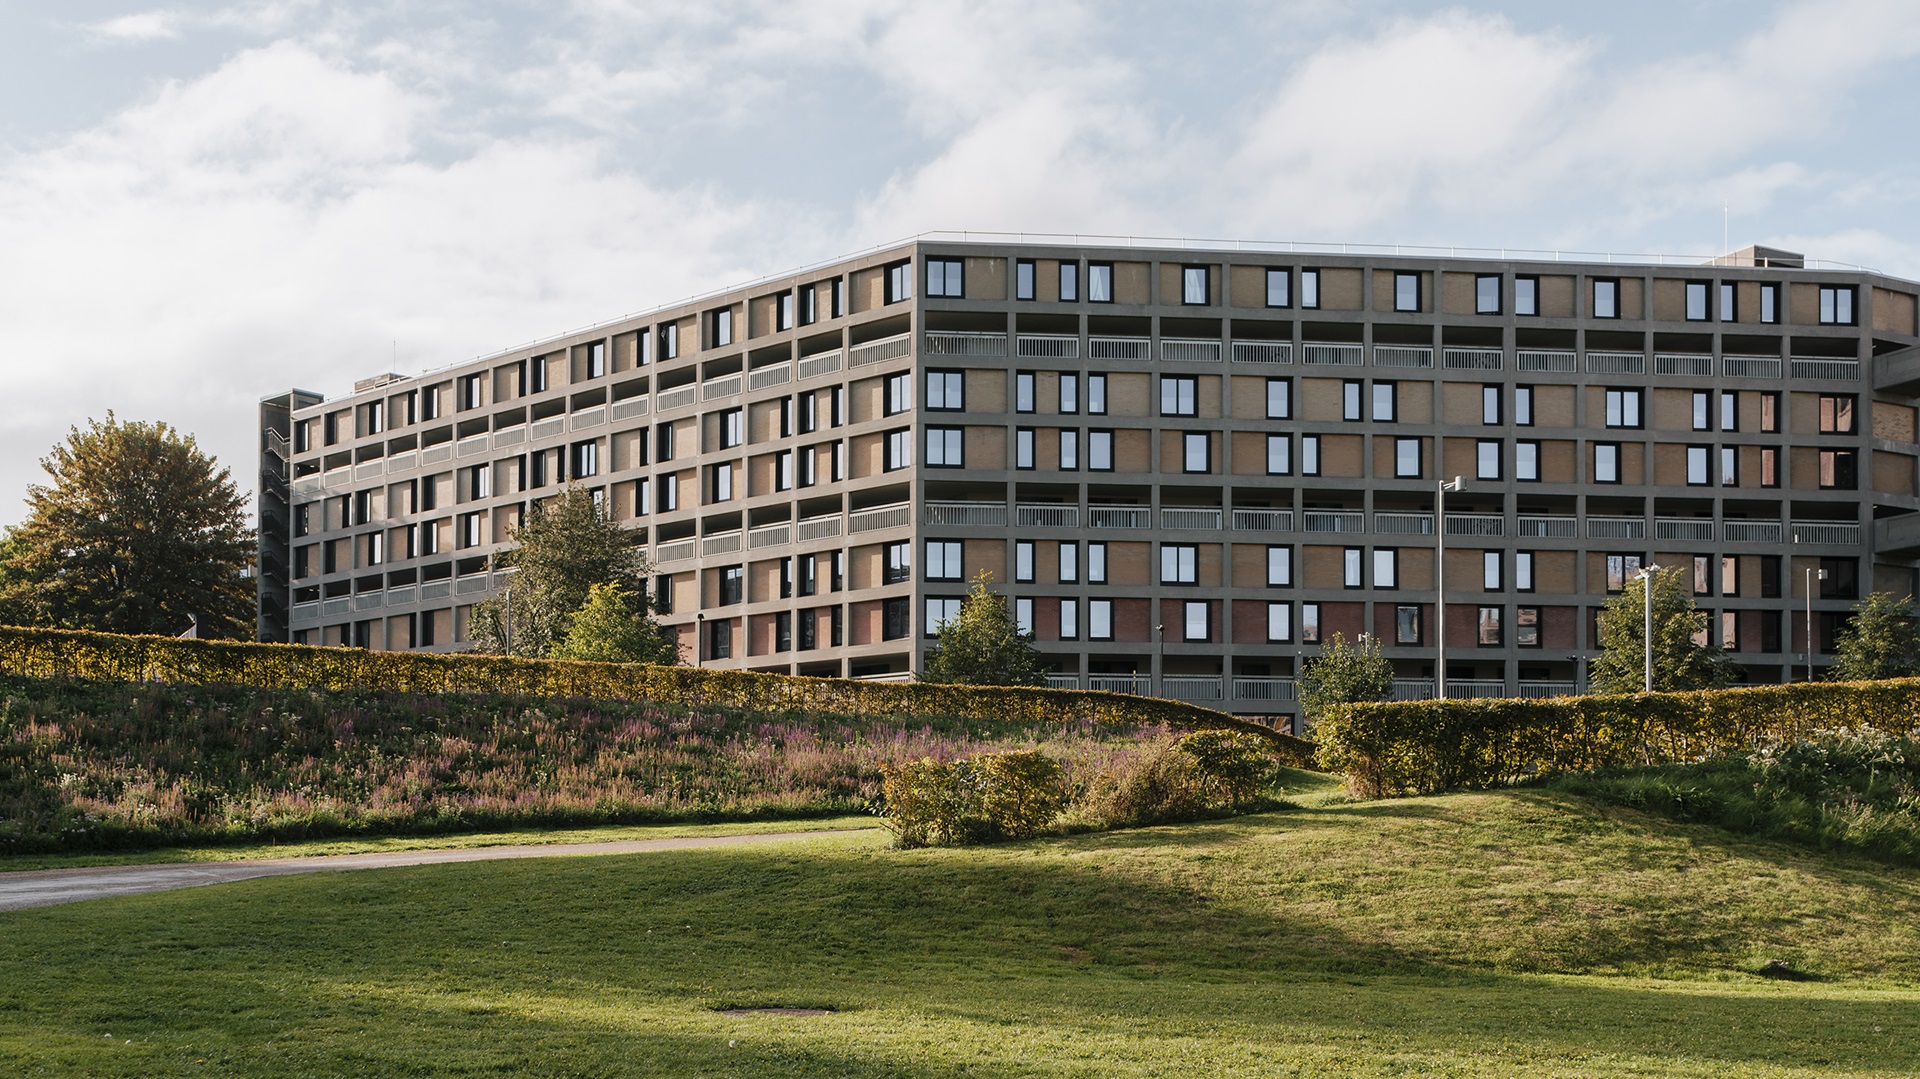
(48,887)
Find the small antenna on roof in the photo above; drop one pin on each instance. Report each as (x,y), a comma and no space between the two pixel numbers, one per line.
(1726,226)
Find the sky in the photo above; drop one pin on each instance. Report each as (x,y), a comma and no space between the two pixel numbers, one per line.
(202,204)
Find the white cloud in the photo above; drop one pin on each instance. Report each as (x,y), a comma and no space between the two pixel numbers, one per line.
(140,27)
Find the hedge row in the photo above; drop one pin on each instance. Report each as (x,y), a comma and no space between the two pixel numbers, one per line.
(48,653)
(1420,747)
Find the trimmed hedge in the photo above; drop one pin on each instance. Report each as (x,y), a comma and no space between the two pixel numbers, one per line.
(51,653)
(1421,747)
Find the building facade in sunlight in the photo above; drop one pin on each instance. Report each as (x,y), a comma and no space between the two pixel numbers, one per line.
(1187,467)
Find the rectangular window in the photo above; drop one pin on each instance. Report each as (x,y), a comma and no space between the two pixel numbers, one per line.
(1069,451)
(899,285)
(1193,285)
(1838,470)
(1310,291)
(1279,567)
(1487,460)
(1069,560)
(1100,620)
(1623,408)
(1069,394)
(897,563)
(1729,575)
(1069,620)
(1279,623)
(1730,630)
(1309,455)
(945,278)
(1606,297)
(1069,282)
(1406,458)
(719,640)
(1526,461)
(1729,410)
(783,311)
(1836,305)
(1310,623)
(1770,302)
(944,447)
(1024,273)
(1197,621)
(1770,412)
(1728,302)
(668,494)
(1769,466)
(1697,307)
(940,611)
(1491,577)
(1406,624)
(809,304)
(720,483)
(899,393)
(943,561)
(1702,575)
(894,614)
(899,450)
(1697,475)
(1023,392)
(1023,617)
(1096,395)
(1386,567)
(1606,462)
(1729,466)
(1526,295)
(838,305)
(1179,395)
(1840,578)
(670,341)
(1837,414)
(1486,294)
(1386,399)
(719,331)
(1179,563)
(1023,456)
(1279,455)
(1100,451)
(1523,571)
(1198,456)
(1097,562)
(1703,410)
(1099,282)
(946,391)
(733,428)
(1523,406)
(1278,292)
(1350,391)
(1770,576)
(1023,561)
(732,580)
(1406,292)
(1279,398)
(1489,623)
(1621,568)
(1490,406)
(1526,627)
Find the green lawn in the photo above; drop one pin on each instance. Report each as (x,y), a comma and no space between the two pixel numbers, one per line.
(1527,933)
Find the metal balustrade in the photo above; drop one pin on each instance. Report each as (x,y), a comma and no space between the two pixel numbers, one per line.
(1842,533)
(1189,517)
(545,429)
(1751,531)
(1616,363)
(825,363)
(891,348)
(1325,352)
(1047,516)
(1047,346)
(1411,689)
(721,387)
(1471,688)
(433,455)
(768,536)
(957,343)
(594,417)
(630,408)
(1544,526)
(1403,524)
(1827,370)
(673,552)
(1682,528)
(473,445)
(1063,681)
(372,470)
(724,543)
(988,514)
(1472,359)
(893,516)
(1139,685)
(512,436)
(1263,689)
(1188,350)
(1539,690)
(1476,524)
(1192,688)
(1117,348)
(1547,361)
(1331,521)
(1680,363)
(1262,352)
(1263,520)
(436,590)
(1403,356)
(817,528)
(1099,517)
(1750,366)
(668,400)
(777,375)
(1616,528)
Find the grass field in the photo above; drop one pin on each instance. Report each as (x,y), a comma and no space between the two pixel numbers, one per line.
(1519,933)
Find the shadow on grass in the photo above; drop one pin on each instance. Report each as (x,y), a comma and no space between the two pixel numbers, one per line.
(1009,961)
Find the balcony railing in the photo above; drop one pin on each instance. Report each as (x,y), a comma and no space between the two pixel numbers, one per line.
(721,387)
(665,401)
(1324,352)
(594,417)
(1263,520)
(1334,521)
(1616,363)
(1546,689)
(818,528)
(1545,526)
(777,375)
(724,543)
(1750,366)
(1476,524)
(1551,361)
(1697,365)
(1403,356)
(1751,531)
(824,363)
(1189,350)
(1047,516)
(894,516)
(1137,684)
(1828,370)
(1048,346)
(1117,348)
(1262,352)
(1187,517)
(1616,528)
(769,536)
(892,348)
(1411,689)
(679,551)
(1470,688)
(1099,517)
(1472,359)
(1682,528)
(987,514)
(1403,524)
(1063,681)
(1263,689)
(1840,533)
(1192,688)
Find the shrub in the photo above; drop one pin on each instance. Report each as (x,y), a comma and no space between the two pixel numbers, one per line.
(1233,768)
(1160,786)
(1418,747)
(989,797)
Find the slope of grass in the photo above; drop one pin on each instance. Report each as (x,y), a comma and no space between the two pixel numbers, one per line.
(1489,934)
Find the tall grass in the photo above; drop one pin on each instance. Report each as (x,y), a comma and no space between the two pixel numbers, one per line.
(93,765)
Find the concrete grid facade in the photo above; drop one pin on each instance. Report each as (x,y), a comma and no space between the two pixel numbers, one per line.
(1187,467)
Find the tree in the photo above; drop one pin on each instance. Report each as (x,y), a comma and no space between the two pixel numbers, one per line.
(138,532)
(1344,674)
(982,646)
(1879,641)
(1680,660)
(567,545)
(606,629)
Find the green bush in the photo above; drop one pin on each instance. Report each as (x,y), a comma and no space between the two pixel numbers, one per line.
(44,653)
(990,797)
(1233,768)
(1161,786)
(1418,747)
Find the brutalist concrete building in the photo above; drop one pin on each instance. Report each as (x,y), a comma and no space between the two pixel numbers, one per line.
(1188,466)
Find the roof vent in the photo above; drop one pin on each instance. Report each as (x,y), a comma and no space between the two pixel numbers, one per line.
(376,382)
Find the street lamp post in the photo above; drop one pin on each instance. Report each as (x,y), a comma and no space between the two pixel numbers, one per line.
(1812,576)
(1440,584)
(506,617)
(1646,601)
(699,637)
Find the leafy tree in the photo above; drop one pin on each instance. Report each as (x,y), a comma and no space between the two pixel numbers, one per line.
(982,645)
(1679,660)
(1344,674)
(1879,641)
(567,545)
(138,532)
(607,629)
